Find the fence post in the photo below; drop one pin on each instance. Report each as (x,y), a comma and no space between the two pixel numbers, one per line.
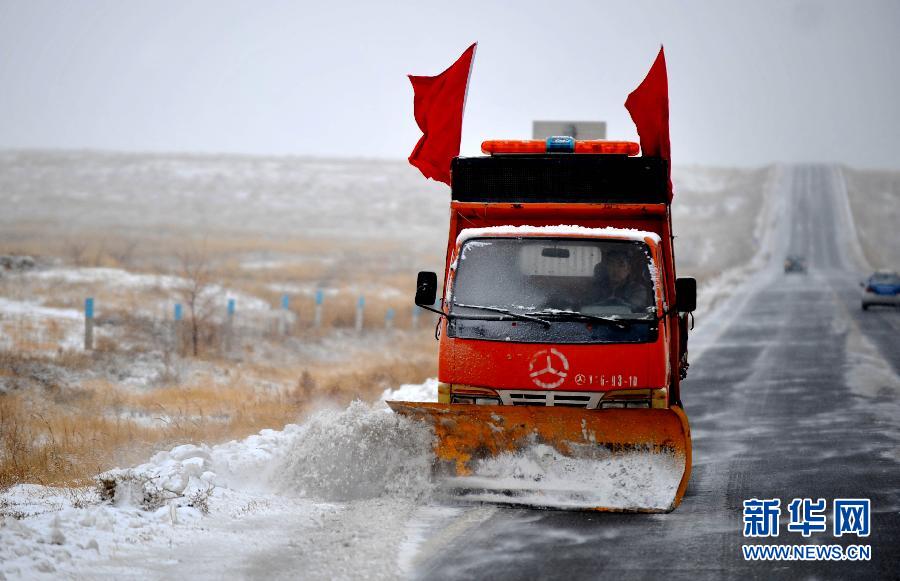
(89,324)
(320,296)
(389,319)
(179,329)
(360,307)
(285,314)
(229,326)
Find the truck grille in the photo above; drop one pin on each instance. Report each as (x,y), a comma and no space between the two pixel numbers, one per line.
(574,399)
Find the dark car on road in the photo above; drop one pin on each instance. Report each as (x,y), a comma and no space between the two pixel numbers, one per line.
(794,263)
(882,288)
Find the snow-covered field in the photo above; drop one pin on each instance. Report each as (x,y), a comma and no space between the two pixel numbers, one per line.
(283,196)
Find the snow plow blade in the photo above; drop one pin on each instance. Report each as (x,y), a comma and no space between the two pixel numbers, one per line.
(626,460)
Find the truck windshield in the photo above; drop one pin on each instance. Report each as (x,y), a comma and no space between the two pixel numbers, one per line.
(589,290)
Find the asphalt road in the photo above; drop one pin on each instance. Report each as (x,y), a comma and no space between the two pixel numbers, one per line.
(793,393)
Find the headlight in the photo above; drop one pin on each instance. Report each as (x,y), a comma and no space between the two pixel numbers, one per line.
(469,394)
(635,398)
(474,400)
(487,401)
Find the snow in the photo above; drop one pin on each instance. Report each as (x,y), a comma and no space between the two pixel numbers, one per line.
(342,488)
(422,392)
(118,278)
(872,377)
(359,453)
(279,263)
(122,279)
(12,308)
(273,196)
(68,334)
(107,276)
(541,476)
(65,530)
(329,477)
(62,535)
(560,230)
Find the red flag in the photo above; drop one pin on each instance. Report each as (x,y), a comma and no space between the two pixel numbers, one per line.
(438,104)
(649,109)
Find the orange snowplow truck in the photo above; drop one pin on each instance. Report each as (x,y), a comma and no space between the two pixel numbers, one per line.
(563,326)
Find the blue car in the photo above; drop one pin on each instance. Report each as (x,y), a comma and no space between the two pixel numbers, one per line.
(882,288)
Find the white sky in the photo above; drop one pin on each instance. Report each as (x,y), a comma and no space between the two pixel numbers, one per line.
(750,82)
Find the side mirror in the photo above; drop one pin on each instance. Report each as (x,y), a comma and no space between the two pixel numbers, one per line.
(685,294)
(426,289)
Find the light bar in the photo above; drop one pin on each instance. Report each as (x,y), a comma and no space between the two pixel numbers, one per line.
(559,144)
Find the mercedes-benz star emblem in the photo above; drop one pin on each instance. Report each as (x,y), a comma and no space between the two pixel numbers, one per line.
(548,368)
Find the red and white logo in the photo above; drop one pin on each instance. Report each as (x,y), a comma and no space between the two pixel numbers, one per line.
(548,368)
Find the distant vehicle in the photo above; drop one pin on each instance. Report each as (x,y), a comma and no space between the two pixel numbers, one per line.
(882,288)
(794,263)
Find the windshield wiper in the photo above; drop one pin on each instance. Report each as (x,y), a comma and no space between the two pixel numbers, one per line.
(514,315)
(565,314)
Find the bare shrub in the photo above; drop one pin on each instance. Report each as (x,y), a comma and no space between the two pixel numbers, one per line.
(77,250)
(142,490)
(194,267)
(132,487)
(199,499)
(7,510)
(306,385)
(123,252)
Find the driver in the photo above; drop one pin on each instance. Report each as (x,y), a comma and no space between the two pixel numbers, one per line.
(619,280)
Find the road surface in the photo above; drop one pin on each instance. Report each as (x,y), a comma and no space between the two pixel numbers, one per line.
(793,393)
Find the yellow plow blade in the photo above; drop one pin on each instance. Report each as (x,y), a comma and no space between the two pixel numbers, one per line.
(613,459)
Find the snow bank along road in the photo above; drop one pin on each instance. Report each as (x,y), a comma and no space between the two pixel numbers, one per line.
(792,393)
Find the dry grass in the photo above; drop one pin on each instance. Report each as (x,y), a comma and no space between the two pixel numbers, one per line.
(67,416)
(326,259)
(57,435)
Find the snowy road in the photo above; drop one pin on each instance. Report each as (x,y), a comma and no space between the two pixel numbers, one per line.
(792,393)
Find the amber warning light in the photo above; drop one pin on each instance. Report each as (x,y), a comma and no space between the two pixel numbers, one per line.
(561,144)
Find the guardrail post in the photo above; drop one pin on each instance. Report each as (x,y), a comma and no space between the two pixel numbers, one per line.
(229,325)
(178,329)
(360,307)
(89,324)
(320,296)
(285,314)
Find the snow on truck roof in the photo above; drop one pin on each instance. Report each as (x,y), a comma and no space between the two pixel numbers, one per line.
(561,230)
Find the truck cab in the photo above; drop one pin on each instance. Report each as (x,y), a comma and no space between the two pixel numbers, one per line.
(559,284)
